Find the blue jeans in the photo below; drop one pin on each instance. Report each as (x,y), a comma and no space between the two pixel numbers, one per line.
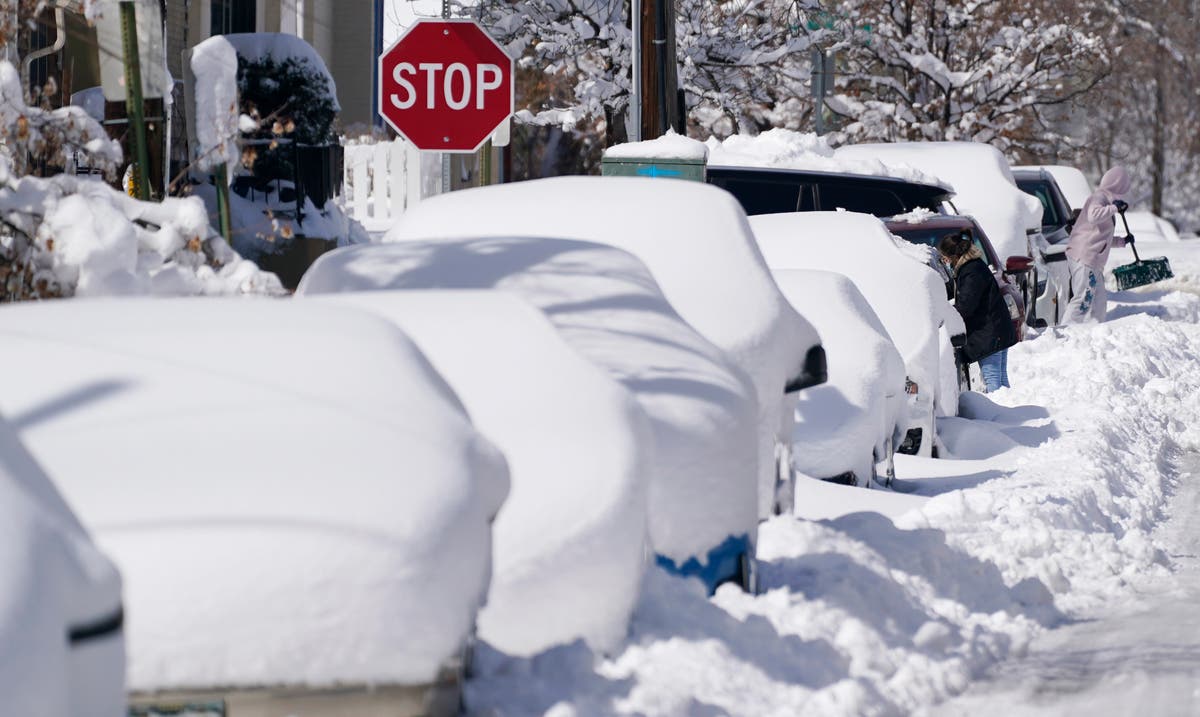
(995,370)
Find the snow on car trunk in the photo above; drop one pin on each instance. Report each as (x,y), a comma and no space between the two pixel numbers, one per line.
(983,184)
(605,304)
(570,539)
(293,495)
(61,649)
(908,297)
(845,424)
(694,239)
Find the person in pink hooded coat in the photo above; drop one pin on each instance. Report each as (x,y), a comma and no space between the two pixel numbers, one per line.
(1091,240)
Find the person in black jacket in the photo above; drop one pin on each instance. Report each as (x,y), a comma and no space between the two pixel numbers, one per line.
(978,299)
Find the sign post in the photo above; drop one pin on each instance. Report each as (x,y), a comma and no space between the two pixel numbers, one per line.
(446,86)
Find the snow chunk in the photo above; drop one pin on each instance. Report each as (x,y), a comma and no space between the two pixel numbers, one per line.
(214,65)
(607,307)
(278,520)
(669,146)
(694,239)
(788,149)
(982,180)
(570,539)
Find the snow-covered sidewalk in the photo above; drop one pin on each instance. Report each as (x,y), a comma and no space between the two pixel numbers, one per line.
(1046,513)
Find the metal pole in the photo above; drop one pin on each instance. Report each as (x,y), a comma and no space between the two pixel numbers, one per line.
(446,169)
(226,226)
(134,103)
(485,164)
(635,103)
(818,84)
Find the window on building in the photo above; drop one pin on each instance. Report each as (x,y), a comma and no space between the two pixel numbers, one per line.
(230,16)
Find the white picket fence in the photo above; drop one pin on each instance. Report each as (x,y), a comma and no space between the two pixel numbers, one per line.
(381,181)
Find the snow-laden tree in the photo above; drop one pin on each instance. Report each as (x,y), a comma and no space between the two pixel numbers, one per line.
(983,70)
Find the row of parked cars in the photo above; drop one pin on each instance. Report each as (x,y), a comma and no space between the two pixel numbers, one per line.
(487,426)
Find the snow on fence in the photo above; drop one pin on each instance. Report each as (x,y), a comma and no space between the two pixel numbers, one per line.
(381,180)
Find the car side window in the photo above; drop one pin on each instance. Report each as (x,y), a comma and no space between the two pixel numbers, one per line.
(762,196)
(857,198)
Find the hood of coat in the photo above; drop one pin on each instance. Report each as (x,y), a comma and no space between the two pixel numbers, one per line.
(1116,182)
(972,253)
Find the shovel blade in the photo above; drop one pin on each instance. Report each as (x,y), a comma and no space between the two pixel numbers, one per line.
(1143,273)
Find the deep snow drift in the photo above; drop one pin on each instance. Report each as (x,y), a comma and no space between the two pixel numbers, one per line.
(1045,512)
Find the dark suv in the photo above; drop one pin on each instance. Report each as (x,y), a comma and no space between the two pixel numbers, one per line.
(1057,217)
(777,191)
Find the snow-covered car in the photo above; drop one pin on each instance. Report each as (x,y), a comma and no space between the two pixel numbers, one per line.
(773,191)
(1057,216)
(695,240)
(1073,183)
(984,187)
(905,293)
(62,648)
(703,493)
(298,504)
(570,540)
(928,229)
(848,427)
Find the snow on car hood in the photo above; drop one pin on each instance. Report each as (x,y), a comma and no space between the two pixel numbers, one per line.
(908,296)
(839,423)
(788,149)
(982,181)
(607,307)
(570,539)
(307,504)
(694,239)
(52,579)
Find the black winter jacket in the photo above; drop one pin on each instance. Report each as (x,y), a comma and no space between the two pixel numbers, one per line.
(979,301)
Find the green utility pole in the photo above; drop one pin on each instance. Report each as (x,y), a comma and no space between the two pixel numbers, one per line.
(226,226)
(134,103)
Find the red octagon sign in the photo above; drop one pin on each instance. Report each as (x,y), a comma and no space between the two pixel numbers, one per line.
(445,85)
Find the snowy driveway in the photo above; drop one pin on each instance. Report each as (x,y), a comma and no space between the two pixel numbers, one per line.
(1049,514)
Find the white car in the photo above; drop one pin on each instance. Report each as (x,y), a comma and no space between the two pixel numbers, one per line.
(985,188)
(571,539)
(299,505)
(703,493)
(847,428)
(1074,184)
(62,648)
(908,297)
(695,240)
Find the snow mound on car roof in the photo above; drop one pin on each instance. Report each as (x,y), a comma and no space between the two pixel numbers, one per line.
(605,305)
(838,424)
(668,146)
(982,180)
(694,239)
(52,579)
(291,492)
(570,539)
(788,149)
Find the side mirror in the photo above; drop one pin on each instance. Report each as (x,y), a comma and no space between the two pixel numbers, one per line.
(1018,264)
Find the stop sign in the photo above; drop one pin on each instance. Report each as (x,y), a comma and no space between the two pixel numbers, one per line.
(445,85)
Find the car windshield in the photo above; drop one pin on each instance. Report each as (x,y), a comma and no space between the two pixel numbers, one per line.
(1041,189)
(930,236)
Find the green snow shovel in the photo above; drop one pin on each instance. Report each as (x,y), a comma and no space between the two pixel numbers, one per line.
(1140,273)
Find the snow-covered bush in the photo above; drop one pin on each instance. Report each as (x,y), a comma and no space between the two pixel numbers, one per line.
(67,236)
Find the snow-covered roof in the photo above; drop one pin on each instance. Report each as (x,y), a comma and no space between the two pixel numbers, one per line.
(838,424)
(1073,183)
(668,146)
(694,239)
(53,579)
(570,539)
(907,295)
(280,46)
(606,306)
(982,180)
(787,149)
(278,519)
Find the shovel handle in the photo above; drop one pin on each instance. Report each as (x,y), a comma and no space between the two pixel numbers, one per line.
(1128,234)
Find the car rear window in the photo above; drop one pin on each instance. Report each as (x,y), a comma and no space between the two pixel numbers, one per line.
(930,237)
(1041,190)
(858,198)
(765,196)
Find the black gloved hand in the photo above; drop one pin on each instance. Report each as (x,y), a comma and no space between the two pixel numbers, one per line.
(1129,239)
(1121,206)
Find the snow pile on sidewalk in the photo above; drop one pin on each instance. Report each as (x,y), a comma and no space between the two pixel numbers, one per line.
(75,236)
(1060,490)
